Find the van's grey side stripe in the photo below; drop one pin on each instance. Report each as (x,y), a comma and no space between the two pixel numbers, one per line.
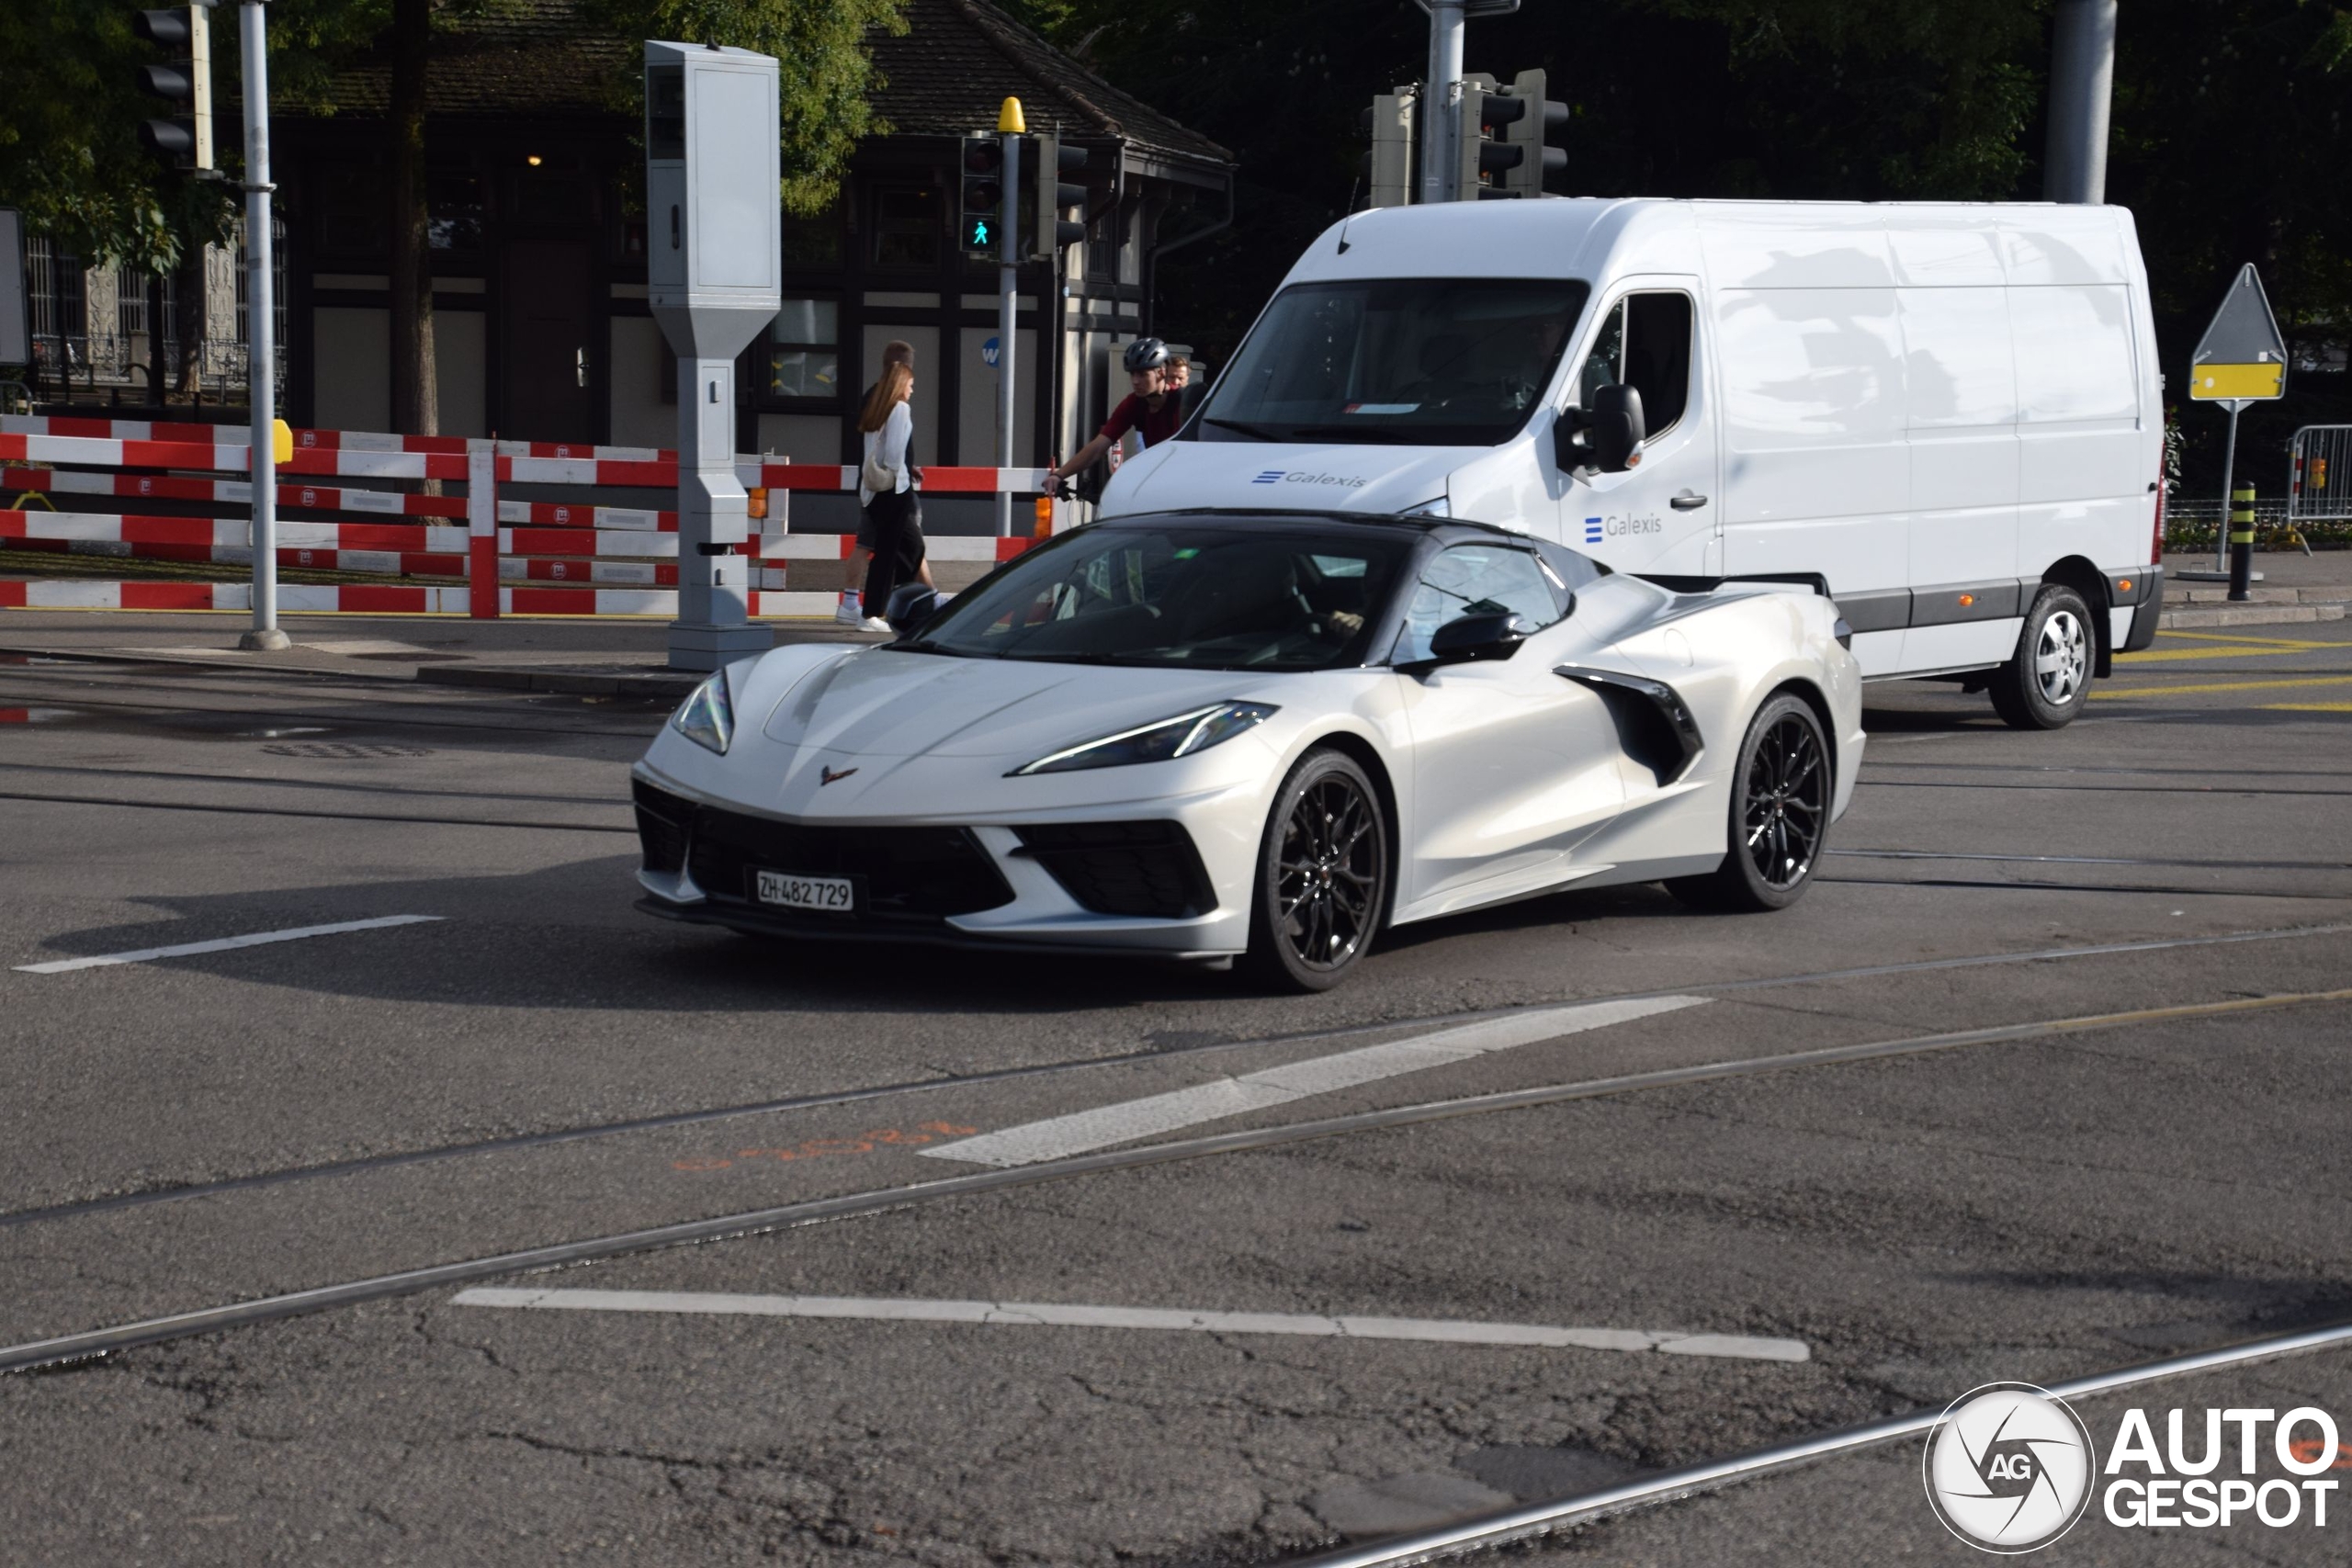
(1943,605)
(1889,611)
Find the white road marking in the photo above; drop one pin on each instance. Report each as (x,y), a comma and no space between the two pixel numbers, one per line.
(1061,1137)
(221,944)
(907,1310)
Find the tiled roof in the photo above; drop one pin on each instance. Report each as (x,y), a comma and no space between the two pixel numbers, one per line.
(960,59)
(957,60)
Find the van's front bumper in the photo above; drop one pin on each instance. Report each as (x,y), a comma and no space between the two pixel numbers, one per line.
(2148,591)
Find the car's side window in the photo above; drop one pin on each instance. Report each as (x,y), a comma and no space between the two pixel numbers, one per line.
(1475,579)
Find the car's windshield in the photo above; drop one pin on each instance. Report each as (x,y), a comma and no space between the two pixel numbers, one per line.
(1448,362)
(1267,597)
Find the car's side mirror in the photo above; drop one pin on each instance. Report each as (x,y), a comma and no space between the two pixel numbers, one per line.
(1617,427)
(1465,638)
(911,604)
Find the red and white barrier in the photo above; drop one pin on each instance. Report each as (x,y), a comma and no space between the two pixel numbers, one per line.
(387,599)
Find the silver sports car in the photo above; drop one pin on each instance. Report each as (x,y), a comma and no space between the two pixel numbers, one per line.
(1206,736)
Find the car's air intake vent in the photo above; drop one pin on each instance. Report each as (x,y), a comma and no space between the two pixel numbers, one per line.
(1124,868)
(664,824)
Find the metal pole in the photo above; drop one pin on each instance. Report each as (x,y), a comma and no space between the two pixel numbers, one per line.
(1007,300)
(2229,466)
(2081,87)
(261,333)
(1441,170)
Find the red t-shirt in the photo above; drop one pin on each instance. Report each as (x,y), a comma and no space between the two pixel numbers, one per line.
(1157,424)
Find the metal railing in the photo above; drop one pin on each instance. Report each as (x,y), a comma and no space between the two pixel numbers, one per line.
(2319,486)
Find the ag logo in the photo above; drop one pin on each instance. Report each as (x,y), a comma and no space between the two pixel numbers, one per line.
(2008,1468)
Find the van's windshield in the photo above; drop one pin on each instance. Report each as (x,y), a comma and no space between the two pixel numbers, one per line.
(1441,362)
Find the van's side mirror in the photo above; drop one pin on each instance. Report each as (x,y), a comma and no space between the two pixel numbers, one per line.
(1617,427)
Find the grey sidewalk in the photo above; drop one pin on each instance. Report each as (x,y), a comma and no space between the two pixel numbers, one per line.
(2295,588)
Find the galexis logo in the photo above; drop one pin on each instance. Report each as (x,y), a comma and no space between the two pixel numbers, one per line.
(2008,1468)
(1296,477)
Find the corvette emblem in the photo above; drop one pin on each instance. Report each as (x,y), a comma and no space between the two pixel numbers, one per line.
(826,776)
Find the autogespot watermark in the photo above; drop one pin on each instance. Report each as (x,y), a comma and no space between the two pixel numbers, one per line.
(2010,1468)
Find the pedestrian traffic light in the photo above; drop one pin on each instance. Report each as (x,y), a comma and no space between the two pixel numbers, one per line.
(1537,118)
(1046,160)
(983,205)
(185,139)
(1394,124)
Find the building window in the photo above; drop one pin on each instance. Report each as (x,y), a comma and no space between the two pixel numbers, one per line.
(354,211)
(804,353)
(454,200)
(906,228)
(813,241)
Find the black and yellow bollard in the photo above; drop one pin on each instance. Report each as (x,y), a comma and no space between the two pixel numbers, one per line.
(2240,541)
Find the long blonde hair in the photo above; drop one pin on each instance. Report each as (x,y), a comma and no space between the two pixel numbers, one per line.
(890,390)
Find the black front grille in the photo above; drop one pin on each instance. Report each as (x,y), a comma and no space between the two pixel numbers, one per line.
(903,874)
(1124,868)
(661,820)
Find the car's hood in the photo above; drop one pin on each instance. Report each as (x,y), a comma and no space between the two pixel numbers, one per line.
(884,704)
(1337,476)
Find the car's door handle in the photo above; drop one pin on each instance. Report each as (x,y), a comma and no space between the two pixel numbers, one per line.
(1688,501)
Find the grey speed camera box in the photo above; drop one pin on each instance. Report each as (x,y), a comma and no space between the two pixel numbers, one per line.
(713,240)
(714,274)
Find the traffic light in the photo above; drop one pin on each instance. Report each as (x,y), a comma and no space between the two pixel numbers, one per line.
(983,205)
(1538,116)
(1045,159)
(1501,131)
(186,138)
(1394,123)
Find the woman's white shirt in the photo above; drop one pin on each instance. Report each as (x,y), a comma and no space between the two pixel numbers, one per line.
(888,446)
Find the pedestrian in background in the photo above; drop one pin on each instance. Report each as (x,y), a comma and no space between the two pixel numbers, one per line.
(851,611)
(886,489)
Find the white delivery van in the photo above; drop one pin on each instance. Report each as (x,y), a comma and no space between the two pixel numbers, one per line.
(1946,417)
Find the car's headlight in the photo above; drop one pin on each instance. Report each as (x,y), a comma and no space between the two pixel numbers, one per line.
(1161,742)
(706,717)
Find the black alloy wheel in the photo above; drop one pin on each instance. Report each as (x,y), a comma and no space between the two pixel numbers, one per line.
(1779,815)
(2047,680)
(1322,875)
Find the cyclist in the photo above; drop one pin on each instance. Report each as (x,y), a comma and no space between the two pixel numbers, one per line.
(1152,408)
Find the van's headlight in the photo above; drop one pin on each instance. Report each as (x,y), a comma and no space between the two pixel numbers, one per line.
(1161,742)
(706,717)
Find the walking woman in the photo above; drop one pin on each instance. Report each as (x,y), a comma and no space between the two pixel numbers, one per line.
(887,490)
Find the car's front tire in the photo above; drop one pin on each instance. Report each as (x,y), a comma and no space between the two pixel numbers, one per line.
(2047,678)
(1322,883)
(1780,792)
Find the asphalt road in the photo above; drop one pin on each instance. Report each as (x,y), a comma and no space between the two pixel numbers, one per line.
(1751,1245)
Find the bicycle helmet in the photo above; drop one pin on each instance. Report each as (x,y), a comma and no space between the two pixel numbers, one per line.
(1146,354)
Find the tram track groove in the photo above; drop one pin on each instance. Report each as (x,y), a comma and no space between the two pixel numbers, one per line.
(523,1141)
(83,1346)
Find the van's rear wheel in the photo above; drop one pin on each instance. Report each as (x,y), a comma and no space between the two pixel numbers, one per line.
(2047,678)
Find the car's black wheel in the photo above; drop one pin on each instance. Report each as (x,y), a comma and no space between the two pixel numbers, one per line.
(2048,680)
(1322,875)
(1781,797)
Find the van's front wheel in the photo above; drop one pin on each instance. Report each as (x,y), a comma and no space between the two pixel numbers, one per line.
(2047,678)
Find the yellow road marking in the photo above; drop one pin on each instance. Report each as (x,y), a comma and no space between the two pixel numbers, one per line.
(2234,638)
(2228,686)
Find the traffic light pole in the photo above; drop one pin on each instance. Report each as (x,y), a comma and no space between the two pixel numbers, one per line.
(261,333)
(1439,173)
(1007,300)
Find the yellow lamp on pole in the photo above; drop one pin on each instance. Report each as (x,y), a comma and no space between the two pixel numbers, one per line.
(1008,118)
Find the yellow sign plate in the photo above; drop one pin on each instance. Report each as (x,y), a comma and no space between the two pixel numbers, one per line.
(2209,383)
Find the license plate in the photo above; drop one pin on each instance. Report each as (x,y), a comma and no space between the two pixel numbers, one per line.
(824,894)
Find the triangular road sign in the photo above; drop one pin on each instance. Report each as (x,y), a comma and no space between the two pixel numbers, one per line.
(2243,356)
